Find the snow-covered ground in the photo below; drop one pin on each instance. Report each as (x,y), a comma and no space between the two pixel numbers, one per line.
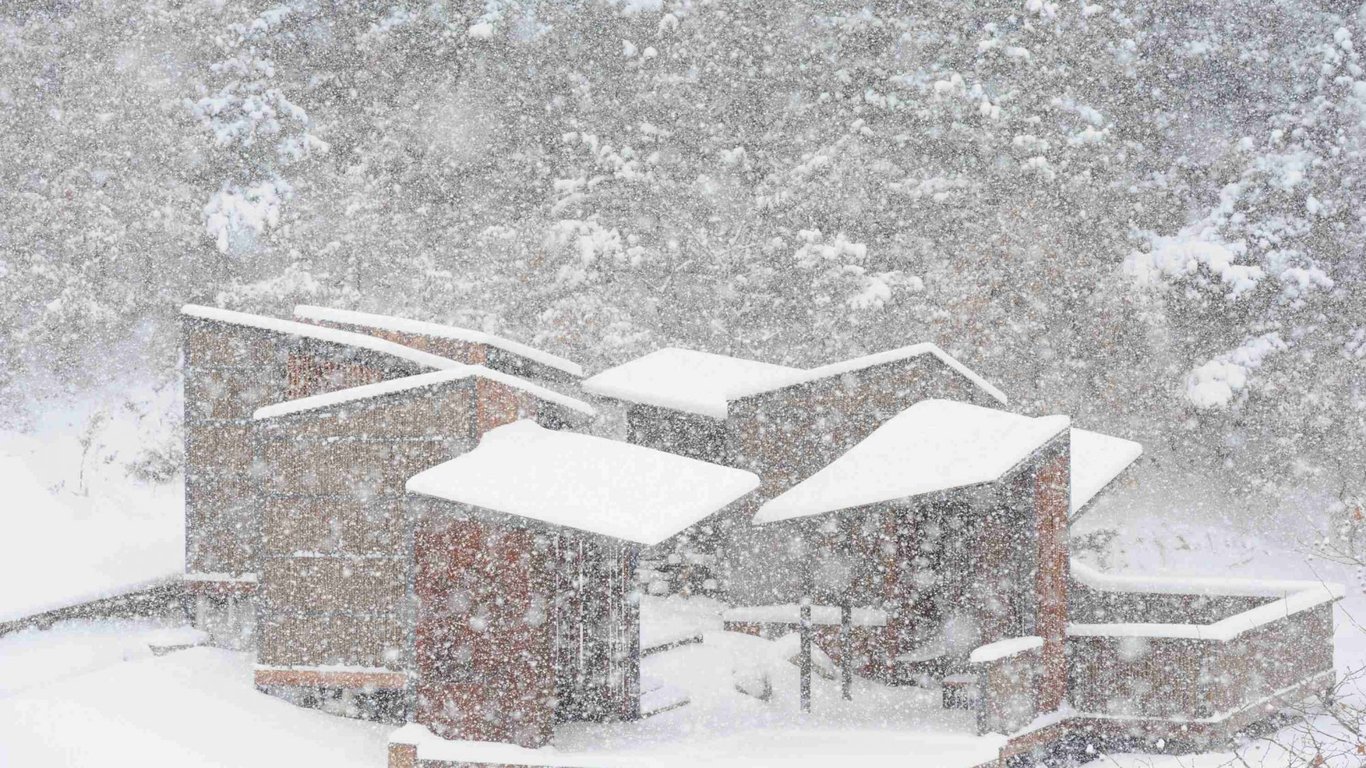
(673,618)
(93,694)
(75,522)
(723,725)
(1195,526)
(95,542)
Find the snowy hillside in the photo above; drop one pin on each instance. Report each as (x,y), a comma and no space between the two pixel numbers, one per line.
(91,509)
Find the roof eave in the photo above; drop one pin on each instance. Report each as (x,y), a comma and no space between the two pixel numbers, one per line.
(1017,466)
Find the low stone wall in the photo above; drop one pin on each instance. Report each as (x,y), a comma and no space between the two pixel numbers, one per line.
(1208,656)
(1008,675)
(1092,606)
(1183,678)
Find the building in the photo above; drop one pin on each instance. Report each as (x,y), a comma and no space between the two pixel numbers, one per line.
(526,552)
(294,432)
(781,423)
(411,517)
(334,558)
(235,363)
(460,344)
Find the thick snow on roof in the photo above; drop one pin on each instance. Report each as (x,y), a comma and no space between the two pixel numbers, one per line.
(893,355)
(320,333)
(687,380)
(1292,597)
(404,325)
(589,483)
(367,391)
(706,383)
(934,445)
(1096,460)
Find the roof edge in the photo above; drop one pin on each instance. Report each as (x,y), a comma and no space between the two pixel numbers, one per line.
(422,483)
(1065,426)
(438,330)
(407,383)
(864,362)
(318,332)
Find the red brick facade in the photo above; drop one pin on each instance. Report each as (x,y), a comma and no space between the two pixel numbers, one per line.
(1051,506)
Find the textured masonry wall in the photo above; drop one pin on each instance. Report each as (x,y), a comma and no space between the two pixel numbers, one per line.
(335,568)
(1051,505)
(336,535)
(520,628)
(1091,606)
(462,351)
(230,371)
(1179,678)
(686,434)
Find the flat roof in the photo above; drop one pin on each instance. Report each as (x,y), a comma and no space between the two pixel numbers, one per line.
(407,383)
(1096,460)
(705,383)
(438,330)
(588,483)
(333,335)
(687,380)
(935,445)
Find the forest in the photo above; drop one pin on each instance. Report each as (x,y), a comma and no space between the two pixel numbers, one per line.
(1145,214)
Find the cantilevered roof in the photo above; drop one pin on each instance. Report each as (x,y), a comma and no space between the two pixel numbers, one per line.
(1096,460)
(404,325)
(706,383)
(333,335)
(687,380)
(588,483)
(421,380)
(935,445)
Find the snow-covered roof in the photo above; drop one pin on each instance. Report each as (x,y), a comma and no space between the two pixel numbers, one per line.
(589,483)
(687,380)
(891,356)
(333,335)
(1011,646)
(368,391)
(705,383)
(1292,597)
(934,445)
(405,325)
(1096,460)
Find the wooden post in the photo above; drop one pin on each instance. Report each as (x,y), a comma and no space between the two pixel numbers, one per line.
(804,659)
(847,648)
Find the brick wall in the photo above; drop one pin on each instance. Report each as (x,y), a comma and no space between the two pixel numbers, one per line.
(230,371)
(1051,499)
(335,558)
(520,628)
(462,351)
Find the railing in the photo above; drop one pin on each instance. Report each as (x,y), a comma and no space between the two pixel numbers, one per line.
(165,596)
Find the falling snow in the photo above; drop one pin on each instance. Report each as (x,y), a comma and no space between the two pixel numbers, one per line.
(671,382)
